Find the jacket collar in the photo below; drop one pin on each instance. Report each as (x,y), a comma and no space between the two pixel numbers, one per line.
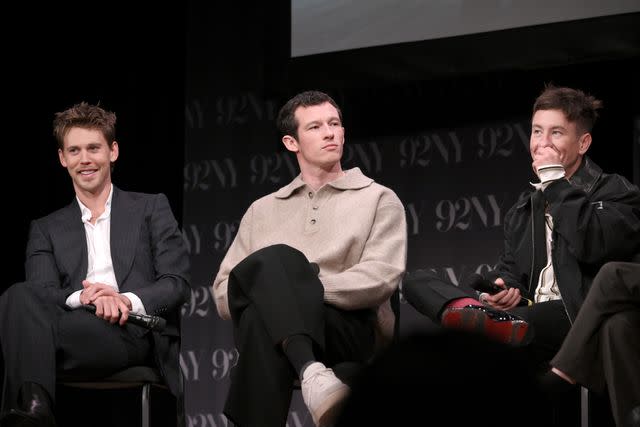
(353,179)
(586,176)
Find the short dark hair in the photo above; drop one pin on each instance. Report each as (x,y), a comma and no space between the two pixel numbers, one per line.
(287,123)
(577,106)
(87,116)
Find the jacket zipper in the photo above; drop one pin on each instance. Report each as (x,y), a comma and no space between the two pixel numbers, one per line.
(533,249)
(533,252)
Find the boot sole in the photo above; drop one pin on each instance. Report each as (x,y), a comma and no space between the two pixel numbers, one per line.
(513,332)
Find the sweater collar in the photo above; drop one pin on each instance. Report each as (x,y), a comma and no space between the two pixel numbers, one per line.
(353,179)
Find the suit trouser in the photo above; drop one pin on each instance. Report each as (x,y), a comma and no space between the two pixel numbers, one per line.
(274,294)
(39,339)
(603,346)
(429,295)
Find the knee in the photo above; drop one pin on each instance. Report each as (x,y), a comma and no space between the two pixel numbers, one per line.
(280,250)
(609,272)
(608,277)
(20,295)
(414,282)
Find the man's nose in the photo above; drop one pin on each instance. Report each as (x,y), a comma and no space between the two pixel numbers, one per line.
(84,156)
(545,140)
(327,131)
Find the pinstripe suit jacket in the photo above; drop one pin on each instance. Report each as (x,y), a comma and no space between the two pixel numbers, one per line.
(149,259)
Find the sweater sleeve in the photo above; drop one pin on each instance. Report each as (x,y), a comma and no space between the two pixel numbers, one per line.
(371,282)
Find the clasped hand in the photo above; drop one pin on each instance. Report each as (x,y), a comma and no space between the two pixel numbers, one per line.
(110,305)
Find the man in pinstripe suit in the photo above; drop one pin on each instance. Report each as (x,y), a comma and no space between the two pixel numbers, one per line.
(121,252)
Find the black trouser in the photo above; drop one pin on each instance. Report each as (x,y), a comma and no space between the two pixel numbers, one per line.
(429,295)
(39,339)
(274,294)
(603,346)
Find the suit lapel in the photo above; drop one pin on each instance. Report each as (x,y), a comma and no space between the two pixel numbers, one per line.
(125,227)
(73,244)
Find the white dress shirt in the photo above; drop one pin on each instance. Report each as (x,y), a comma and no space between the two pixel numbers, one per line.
(100,266)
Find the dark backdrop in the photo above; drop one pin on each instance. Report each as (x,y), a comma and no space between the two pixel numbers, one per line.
(130,59)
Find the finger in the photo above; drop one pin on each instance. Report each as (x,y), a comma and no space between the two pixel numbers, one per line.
(513,300)
(99,308)
(502,297)
(500,282)
(494,303)
(506,298)
(88,293)
(114,314)
(491,299)
(513,296)
(96,295)
(84,299)
(102,293)
(124,312)
(106,308)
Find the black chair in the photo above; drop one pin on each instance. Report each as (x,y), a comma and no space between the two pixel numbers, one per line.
(143,377)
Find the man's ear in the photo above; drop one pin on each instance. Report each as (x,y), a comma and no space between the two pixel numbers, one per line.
(114,151)
(290,143)
(584,143)
(63,162)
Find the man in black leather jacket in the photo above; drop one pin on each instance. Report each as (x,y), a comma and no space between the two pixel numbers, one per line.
(555,239)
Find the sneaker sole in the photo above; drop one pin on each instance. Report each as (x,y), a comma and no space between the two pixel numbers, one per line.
(326,414)
(512,332)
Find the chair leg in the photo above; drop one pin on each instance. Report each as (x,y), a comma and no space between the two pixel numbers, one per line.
(584,407)
(146,391)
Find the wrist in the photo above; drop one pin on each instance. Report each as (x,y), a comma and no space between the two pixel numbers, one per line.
(126,301)
(483,297)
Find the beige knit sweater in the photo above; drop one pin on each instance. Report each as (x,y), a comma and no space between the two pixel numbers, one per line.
(353,228)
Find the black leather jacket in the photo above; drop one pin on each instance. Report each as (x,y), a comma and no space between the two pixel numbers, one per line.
(596,219)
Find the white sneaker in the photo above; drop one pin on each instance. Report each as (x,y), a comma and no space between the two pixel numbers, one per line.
(323,393)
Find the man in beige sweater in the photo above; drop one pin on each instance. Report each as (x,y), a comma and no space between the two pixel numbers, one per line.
(308,279)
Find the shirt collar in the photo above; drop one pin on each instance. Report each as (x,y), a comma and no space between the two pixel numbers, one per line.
(353,179)
(86,212)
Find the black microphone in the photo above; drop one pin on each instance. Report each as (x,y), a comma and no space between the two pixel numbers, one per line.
(154,323)
(480,284)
